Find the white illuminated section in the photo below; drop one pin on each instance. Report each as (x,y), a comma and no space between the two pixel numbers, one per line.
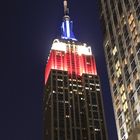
(63,25)
(82,49)
(68,28)
(59,46)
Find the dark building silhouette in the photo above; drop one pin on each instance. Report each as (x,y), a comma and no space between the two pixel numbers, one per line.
(121,27)
(73,108)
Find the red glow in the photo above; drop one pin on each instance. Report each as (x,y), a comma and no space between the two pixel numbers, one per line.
(70,61)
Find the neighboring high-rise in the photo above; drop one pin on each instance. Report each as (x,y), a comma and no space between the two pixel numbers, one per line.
(73,108)
(121,29)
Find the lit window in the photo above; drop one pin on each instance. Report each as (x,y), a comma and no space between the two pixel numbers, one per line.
(98,89)
(123,98)
(138,117)
(97,129)
(92,84)
(117,65)
(130,88)
(125,61)
(60,46)
(122,89)
(114,50)
(83,49)
(119,72)
(97,84)
(80,93)
(131,18)
(125,106)
(133,25)
(59,80)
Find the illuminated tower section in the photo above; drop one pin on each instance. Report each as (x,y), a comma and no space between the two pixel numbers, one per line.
(73,107)
(70,56)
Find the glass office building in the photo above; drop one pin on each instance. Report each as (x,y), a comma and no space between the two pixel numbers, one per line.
(121,30)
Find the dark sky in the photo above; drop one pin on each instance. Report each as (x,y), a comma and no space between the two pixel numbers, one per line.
(27,29)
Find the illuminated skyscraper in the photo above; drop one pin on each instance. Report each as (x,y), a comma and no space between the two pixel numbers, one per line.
(121,28)
(73,108)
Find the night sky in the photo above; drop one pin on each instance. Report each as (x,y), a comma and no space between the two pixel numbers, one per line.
(27,29)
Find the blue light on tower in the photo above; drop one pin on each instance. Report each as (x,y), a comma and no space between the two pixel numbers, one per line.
(67,25)
(67,32)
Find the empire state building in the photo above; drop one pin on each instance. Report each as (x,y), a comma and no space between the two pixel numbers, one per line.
(72,105)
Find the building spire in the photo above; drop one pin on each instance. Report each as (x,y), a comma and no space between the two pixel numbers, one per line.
(66,9)
(67,25)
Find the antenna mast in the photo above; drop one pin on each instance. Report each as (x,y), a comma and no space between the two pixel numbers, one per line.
(66,9)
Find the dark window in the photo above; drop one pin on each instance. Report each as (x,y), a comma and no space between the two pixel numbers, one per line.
(137,84)
(138,11)
(94,108)
(127,75)
(120,121)
(118,112)
(60,83)
(128,82)
(136,3)
(128,41)
(120,40)
(98,135)
(122,132)
(62,134)
(114,87)
(132,101)
(110,63)
(54,97)
(128,48)
(78,134)
(115,93)
(115,18)
(131,93)
(73,134)
(120,78)
(138,55)
(138,47)
(94,101)
(110,29)
(95,115)
(65,72)
(111,70)
(125,68)
(112,4)
(66,96)
(54,83)
(60,97)
(131,58)
(133,65)
(125,31)
(109,56)
(96,124)
(135,114)
(107,12)
(120,7)
(60,90)
(127,4)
